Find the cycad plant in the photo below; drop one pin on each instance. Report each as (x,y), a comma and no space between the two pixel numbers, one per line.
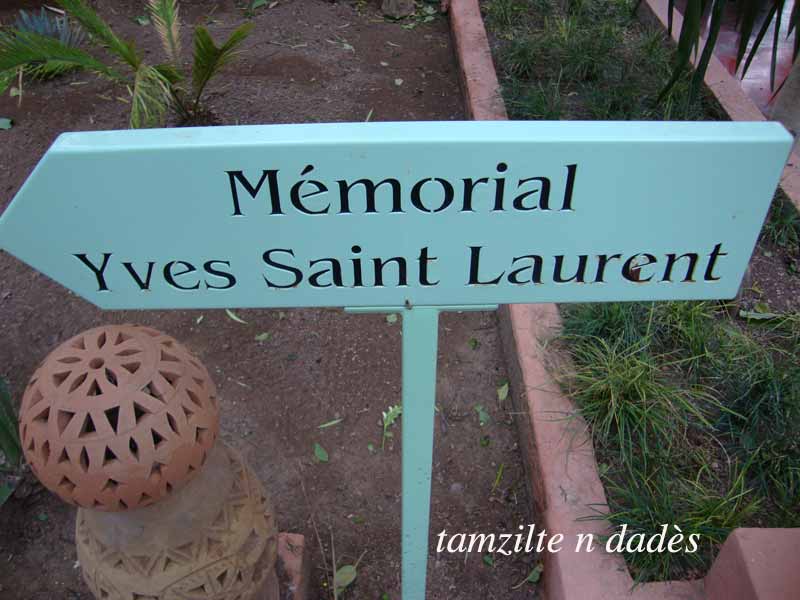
(154,89)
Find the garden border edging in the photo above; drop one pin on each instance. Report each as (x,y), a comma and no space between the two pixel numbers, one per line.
(557,451)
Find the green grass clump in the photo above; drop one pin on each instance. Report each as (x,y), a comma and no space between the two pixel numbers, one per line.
(603,62)
(699,416)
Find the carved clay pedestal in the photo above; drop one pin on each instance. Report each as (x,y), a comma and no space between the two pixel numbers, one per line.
(122,421)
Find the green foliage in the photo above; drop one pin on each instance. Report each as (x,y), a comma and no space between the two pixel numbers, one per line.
(155,88)
(750,25)
(782,227)
(209,59)
(629,401)
(388,418)
(506,13)
(699,414)
(50,25)
(646,500)
(593,61)
(9,436)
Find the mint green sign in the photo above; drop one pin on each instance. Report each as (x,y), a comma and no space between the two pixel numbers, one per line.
(411,217)
(390,214)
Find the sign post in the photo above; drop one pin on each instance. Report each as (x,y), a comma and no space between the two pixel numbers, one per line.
(414,218)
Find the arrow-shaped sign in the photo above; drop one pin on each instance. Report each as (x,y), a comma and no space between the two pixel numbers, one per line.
(386,214)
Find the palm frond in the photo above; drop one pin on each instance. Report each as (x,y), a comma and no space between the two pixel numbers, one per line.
(210,59)
(150,98)
(164,15)
(100,31)
(31,50)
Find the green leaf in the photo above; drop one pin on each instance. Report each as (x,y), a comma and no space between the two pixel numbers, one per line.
(233,316)
(31,50)
(533,577)
(536,574)
(502,392)
(357,520)
(210,59)
(483,415)
(344,576)
(263,337)
(755,315)
(164,14)
(330,424)
(5,493)
(257,4)
(488,560)
(485,441)
(473,343)
(150,99)
(371,447)
(42,517)
(9,434)
(391,319)
(99,29)
(320,453)
(142,20)
(6,123)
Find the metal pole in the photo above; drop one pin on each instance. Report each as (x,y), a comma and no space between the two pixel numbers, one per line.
(420,340)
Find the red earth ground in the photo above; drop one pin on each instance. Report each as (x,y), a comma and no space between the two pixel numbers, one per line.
(307,61)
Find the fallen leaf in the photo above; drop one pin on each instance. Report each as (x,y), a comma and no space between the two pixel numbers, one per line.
(263,337)
(320,453)
(330,424)
(234,316)
(483,416)
(6,123)
(344,576)
(391,319)
(502,392)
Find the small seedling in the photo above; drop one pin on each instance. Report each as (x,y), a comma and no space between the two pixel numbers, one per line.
(488,560)
(388,419)
(473,343)
(320,453)
(483,416)
(485,441)
(498,478)
(533,577)
(391,319)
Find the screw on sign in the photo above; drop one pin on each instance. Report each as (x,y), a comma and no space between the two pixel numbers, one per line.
(413,218)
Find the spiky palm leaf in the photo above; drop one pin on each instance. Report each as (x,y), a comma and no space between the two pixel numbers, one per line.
(748,13)
(99,29)
(164,15)
(32,50)
(210,59)
(150,98)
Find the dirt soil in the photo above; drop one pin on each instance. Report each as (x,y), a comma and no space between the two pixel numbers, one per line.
(307,61)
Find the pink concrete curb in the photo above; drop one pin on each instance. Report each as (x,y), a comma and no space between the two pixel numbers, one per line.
(557,451)
(482,99)
(728,92)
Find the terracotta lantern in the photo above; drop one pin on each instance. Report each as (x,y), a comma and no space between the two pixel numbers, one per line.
(118,417)
(122,421)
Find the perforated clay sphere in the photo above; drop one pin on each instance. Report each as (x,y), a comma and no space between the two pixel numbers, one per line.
(118,417)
